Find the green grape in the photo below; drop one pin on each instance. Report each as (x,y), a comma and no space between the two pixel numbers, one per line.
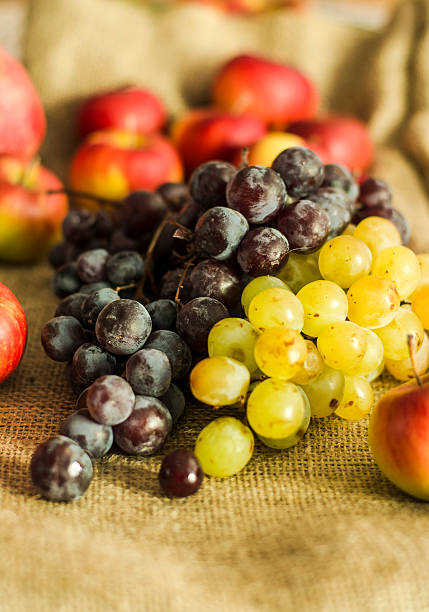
(280,352)
(295,437)
(219,381)
(275,409)
(400,265)
(300,270)
(344,260)
(325,393)
(256,286)
(324,302)
(378,234)
(373,357)
(312,367)
(403,369)
(394,336)
(276,307)
(373,301)
(224,447)
(236,338)
(342,345)
(358,399)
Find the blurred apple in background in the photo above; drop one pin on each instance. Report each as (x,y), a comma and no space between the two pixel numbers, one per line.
(264,152)
(113,163)
(13,332)
(22,119)
(30,219)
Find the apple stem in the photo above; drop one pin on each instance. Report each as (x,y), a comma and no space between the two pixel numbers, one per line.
(411,348)
(83,195)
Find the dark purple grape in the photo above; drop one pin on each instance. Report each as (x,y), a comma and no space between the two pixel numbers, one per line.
(263,251)
(175,348)
(142,212)
(61,337)
(60,469)
(386,212)
(80,227)
(110,400)
(71,305)
(301,170)
(337,205)
(149,372)
(66,280)
(305,225)
(170,282)
(125,268)
(123,327)
(119,241)
(61,253)
(103,227)
(94,303)
(340,177)
(189,214)
(91,265)
(257,192)
(219,231)
(81,400)
(89,363)
(208,182)
(91,287)
(375,192)
(145,430)
(195,320)
(180,474)
(174,194)
(163,314)
(175,401)
(211,278)
(93,437)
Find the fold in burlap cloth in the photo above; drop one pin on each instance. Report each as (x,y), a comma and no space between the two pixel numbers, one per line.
(313,528)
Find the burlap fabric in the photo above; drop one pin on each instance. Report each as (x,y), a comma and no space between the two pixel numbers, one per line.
(313,528)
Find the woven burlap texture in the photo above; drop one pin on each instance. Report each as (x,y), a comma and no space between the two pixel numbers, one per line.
(316,527)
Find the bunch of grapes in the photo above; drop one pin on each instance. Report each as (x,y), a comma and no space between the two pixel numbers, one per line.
(255,281)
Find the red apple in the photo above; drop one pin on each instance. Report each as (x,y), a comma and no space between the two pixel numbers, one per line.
(22,119)
(399,437)
(30,220)
(271,91)
(339,140)
(131,109)
(205,134)
(13,332)
(113,163)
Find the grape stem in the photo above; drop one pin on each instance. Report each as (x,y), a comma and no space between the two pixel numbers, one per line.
(182,280)
(84,195)
(411,349)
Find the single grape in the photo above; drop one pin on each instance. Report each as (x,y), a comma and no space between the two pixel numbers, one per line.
(146,429)
(61,253)
(337,205)
(175,401)
(60,469)
(180,474)
(219,381)
(257,192)
(219,231)
(263,251)
(280,352)
(79,227)
(378,234)
(301,170)
(291,440)
(339,176)
(123,327)
(373,301)
(257,285)
(214,279)
(93,437)
(124,268)
(325,392)
(195,320)
(208,182)
(373,358)
(357,400)
(110,400)
(400,265)
(71,306)
(149,372)
(403,369)
(312,367)
(324,302)
(344,259)
(142,212)
(90,362)
(236,338)
(61,337)
(342,345)
(94,303)
(276,307)
(66,280)
(394,336)
(275,409)
(375,192)
(305,224)
(91,265)
(386,212)
(175,348)
(300,270)
(174,194)
(224,447)
(163,314)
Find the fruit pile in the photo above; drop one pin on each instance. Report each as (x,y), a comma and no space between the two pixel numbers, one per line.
(256,282)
